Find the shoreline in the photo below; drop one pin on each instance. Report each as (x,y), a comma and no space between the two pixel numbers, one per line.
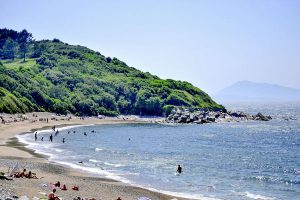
(12,150)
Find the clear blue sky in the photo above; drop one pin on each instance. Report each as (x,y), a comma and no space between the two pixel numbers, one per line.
(211,44)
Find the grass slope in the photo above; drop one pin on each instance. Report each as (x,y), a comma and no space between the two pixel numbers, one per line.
(66,78)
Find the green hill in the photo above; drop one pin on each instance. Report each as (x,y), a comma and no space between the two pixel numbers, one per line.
(50,75)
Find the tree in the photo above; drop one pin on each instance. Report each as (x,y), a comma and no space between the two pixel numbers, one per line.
(147,103)
(7,33)
(108,59)
(9,49)
(38,50)
(24,39)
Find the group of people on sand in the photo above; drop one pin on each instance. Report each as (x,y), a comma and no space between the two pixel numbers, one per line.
(23,174)
(52,196)
(57,185)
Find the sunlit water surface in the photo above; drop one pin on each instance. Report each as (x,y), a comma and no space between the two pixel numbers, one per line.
(245,160)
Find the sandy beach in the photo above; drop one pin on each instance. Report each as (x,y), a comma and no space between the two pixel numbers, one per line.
(12,152)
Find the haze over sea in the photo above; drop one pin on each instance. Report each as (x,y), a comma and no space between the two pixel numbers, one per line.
(240,160)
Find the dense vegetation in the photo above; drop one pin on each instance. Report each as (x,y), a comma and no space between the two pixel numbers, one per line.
(58,77)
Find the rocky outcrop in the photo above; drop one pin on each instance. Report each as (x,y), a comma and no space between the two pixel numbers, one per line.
(261,117)
(199,116)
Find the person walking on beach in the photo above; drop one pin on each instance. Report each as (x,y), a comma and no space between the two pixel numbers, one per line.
(35,136)
(179,169)
(51,138)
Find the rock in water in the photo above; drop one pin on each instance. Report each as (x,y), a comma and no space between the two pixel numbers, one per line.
(261,117)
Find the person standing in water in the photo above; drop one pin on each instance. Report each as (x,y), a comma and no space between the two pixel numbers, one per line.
(63,140)
(51,138)
(179,169)
(35,136)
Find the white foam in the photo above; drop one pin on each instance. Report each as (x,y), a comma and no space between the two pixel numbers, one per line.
(98,149)
(180,194)
(95,161)
(60,129)
(44,148)
(95,171)
(257,196)
(114,165)
(59,150)
(74,126)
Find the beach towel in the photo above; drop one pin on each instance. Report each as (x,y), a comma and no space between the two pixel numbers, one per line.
(75,188)
(13,170)
(3,177)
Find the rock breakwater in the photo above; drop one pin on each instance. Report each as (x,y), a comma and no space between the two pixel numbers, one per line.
(198,116)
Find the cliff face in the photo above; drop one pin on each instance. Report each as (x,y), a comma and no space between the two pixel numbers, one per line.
(62,78)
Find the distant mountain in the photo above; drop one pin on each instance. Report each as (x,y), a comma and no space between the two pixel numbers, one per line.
(251,91)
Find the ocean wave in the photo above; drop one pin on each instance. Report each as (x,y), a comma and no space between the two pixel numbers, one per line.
(181,194)
(114,165)
(273,180)
(99,149)
(106,163)
(257,196)
(95,161)
(95,170)
(59,129)
(58,150)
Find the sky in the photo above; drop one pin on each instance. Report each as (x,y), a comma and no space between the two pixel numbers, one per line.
(212,43)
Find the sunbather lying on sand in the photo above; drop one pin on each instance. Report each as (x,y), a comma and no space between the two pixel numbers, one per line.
(20,174)
(31,175)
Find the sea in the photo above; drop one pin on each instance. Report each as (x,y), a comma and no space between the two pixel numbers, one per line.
(236,161)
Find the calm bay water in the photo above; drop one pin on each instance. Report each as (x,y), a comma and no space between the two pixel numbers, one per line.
(246,160)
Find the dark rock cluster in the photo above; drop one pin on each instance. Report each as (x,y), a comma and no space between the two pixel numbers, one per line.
(182,115)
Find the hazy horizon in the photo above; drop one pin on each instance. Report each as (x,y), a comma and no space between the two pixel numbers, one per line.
(211,44)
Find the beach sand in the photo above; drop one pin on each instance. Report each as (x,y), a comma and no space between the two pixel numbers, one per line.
(12,152)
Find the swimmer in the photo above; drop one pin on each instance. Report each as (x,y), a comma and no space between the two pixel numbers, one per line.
(179,169)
